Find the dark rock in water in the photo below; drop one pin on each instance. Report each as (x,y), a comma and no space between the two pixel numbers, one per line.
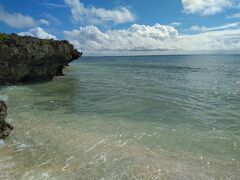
(5,128)
(29,59)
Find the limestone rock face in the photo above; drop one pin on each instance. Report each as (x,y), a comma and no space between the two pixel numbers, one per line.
(5,128)
(28,59)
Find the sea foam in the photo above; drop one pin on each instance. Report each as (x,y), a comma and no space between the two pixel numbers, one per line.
(3,97)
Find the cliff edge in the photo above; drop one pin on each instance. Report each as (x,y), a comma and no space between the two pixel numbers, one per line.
(29,59)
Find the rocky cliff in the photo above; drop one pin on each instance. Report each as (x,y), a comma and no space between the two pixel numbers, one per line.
(29,59)
(5,128)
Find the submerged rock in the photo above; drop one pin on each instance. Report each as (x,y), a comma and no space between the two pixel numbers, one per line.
(29,59)
(5,128)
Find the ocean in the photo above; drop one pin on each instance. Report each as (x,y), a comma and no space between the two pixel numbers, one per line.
(137,117)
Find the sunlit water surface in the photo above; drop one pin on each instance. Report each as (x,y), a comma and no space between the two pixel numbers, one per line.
(149,117)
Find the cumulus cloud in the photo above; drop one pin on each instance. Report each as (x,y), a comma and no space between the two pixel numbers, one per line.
(18,20)
(94,15)
(135,38)
(215,28)
(157,38)
(38,32)
(205,7)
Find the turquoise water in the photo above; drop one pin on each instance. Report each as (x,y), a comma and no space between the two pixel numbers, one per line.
(146,117)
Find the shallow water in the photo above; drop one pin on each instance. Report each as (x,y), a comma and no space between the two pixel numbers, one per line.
(148,117)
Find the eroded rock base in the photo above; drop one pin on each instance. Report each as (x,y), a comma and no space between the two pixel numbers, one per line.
(5,127)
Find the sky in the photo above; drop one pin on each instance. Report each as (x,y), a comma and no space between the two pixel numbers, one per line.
(129,27)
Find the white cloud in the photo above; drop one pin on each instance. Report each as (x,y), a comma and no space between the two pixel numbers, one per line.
(150,39)
(18,20)
(54,5)
(94,15)
(225,40)
(234,16)
(44,22)
(205,7)
(135,38)
(215,28)
(52,19)
(39,33)
(175,24)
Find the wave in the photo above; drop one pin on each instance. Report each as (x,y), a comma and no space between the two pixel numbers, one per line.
(3,97)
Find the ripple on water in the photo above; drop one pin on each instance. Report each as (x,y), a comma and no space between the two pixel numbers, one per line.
(153,119)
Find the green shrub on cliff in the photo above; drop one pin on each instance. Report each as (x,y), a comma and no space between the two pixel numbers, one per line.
(45,41)
(3,37)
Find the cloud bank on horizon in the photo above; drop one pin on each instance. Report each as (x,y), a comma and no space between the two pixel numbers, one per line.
(192,26)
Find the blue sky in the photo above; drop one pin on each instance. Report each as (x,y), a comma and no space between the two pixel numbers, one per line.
(129,26)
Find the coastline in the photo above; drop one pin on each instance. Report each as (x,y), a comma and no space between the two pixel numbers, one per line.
(70,128)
